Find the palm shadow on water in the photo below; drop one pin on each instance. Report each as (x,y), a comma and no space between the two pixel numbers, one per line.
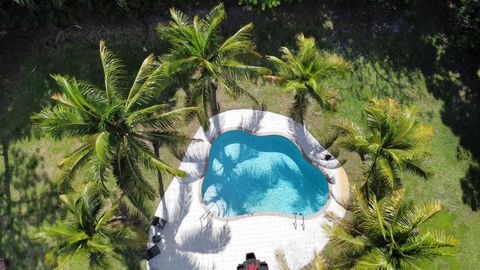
(177,249)
(251,174)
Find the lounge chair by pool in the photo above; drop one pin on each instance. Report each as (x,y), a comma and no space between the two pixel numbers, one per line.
(152,252)
(158,222)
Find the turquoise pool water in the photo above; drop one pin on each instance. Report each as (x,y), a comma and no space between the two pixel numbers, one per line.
(252,174)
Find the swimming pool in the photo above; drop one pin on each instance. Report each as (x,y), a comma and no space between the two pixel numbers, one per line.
(258,174)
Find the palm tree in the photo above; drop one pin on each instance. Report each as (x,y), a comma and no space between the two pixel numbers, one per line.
(394,140)
(115,126)
(208,60)
(89,234)
(318,263)
(386,234)
(306,72)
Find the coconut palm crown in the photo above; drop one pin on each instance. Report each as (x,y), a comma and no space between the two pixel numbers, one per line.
(394,140)
(89,234)
(305,72)
(115,125)
(209,61)
(386,234)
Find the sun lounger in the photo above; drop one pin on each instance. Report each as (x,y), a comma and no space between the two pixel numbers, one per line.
(152,252)
(156,238)
(158,222)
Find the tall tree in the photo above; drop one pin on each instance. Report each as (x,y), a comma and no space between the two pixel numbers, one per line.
(305,72)
(394,141)
(208,60)
(89,234)
(115,125)
(386,234)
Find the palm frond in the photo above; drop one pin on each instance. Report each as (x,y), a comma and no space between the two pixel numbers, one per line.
(281,260)
(137,206)
(392,205)
(102,148)
(428,245)
(340,238)
(385,172)
(60,122)
(171,120)
(71,164)
(213,20)
(374,259)
(285,70)
(239,43)
(345,128)
(144,82)
(327,99)
(150,161)
(319,262)
(415,215)
(112,72)
(417,167)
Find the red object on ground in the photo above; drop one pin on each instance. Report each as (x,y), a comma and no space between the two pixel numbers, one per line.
(253,266)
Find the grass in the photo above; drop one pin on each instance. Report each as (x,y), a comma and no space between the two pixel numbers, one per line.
(35,200)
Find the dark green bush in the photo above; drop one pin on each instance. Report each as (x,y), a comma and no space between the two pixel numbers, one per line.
(30,14)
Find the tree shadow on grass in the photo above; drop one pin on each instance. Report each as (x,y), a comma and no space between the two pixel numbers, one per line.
(471,187)
(34,202)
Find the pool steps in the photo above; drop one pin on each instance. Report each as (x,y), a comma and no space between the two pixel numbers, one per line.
(295,223)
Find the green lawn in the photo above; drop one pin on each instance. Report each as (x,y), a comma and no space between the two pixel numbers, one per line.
(34,160)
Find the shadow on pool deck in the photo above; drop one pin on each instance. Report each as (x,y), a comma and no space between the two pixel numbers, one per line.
(176,250)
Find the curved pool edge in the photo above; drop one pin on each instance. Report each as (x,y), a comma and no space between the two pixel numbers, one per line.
(270,123)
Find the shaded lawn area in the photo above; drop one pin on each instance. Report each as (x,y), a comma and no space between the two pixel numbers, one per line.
(386,64)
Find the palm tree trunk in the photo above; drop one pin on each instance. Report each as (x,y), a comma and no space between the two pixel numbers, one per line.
(214,106)
(367,186)
(156,150)
(8,174)
(297,109)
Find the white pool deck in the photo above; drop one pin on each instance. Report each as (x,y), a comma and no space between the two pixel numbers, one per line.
(194,239)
